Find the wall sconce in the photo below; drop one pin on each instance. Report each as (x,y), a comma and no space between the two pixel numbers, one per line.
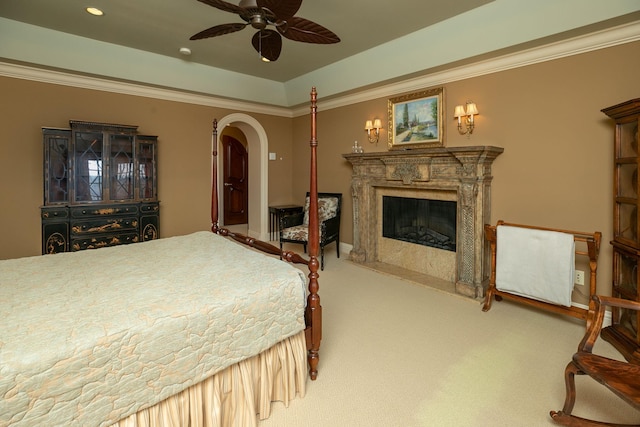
(467,115)
(374,126)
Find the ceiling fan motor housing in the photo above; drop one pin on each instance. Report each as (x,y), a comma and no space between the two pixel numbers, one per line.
(257,17)
(258,22)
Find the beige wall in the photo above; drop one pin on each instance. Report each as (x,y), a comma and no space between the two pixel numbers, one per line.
(184,135)
(556,169)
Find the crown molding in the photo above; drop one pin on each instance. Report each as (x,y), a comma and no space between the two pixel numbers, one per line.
(96,83)
(598,40)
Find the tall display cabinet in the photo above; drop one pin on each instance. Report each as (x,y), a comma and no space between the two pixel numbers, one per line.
(100,187)
(623,332)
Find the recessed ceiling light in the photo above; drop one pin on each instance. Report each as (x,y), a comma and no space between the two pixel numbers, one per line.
(94,11)
(185,51)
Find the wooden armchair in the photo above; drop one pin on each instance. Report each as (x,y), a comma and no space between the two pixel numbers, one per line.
(295,228)
(621,377)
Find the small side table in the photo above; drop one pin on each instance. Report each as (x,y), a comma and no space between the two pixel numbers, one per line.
(277,212)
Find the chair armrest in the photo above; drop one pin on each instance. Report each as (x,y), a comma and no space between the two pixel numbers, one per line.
(331,226)
(618,302)
(597,317)
(287,221)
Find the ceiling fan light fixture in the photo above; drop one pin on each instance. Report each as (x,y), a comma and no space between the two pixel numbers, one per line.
(94,11)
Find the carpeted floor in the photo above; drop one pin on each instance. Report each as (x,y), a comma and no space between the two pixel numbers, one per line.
(400,353)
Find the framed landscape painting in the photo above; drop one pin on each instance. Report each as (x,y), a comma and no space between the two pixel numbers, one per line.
(415,120)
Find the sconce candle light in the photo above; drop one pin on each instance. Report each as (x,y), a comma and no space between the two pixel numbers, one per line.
(467,115)
(373,129)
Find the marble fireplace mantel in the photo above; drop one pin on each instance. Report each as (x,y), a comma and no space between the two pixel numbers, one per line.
(461,173)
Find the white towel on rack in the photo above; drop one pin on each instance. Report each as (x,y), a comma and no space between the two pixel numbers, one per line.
(538,264)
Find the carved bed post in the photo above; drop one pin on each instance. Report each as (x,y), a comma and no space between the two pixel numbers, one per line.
(313,314)
(214,178)
(313,310)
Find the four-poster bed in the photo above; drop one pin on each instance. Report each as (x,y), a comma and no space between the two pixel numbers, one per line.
(166,345)
(313,311)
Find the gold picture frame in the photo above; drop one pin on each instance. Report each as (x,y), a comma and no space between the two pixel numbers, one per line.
(416,120)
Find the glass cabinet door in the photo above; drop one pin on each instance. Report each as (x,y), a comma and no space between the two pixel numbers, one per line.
(88,166)
(56,170)
(121,168)
(147,168)
(626,179)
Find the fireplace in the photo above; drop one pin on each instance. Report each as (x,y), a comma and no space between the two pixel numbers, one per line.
(420,221)
(451,189)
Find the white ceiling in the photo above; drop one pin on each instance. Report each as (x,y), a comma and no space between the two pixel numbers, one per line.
(139,41)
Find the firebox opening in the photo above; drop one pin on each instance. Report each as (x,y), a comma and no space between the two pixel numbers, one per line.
(421,221)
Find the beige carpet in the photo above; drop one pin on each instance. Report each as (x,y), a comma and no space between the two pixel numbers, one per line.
(398,353)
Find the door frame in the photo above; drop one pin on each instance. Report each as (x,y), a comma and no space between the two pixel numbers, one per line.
(258,186)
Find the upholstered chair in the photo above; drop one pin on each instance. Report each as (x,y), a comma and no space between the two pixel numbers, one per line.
(295,228)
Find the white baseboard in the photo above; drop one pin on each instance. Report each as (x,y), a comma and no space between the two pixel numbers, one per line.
(345,248)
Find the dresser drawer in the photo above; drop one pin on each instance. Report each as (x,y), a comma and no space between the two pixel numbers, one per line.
(79,244)
(52,214)
(147,208)
(98,211)
(104,225)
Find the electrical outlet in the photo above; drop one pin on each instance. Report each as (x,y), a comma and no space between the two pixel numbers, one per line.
(579,278)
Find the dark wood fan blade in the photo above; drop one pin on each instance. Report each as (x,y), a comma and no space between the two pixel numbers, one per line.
(303,30)
(267,43)
(218,30)
(223,5)
(282,9)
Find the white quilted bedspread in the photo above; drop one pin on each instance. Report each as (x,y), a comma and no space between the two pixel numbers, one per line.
(87,338)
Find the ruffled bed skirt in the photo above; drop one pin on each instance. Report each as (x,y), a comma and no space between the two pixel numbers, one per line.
(237,395)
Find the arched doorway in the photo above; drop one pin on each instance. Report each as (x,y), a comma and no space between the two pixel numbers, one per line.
(257,146)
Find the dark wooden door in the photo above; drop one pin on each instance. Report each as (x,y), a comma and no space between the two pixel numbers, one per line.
(235,181)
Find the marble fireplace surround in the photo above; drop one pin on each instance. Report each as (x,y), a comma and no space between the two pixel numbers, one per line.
(462,174)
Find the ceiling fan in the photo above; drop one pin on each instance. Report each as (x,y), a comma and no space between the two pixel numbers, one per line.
(261,13)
